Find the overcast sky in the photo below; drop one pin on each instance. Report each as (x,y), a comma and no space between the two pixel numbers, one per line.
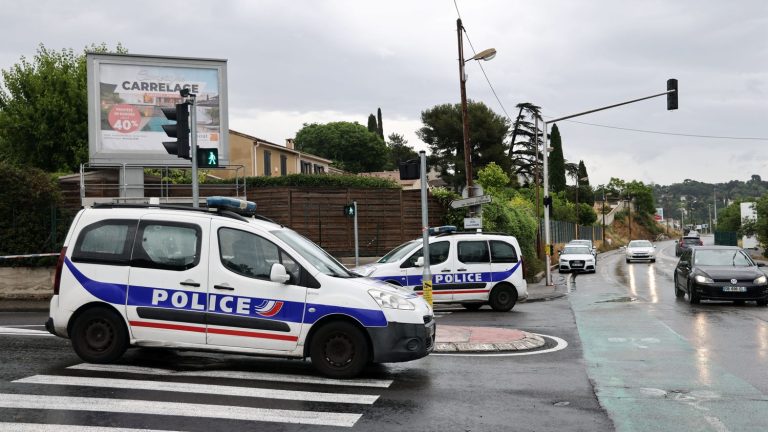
(302,61)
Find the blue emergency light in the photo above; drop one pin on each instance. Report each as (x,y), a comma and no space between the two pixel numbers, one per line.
(442,229)
(231,204)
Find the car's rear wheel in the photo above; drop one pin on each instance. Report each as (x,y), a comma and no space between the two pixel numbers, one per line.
(693,298)
(503,298)
(99,335)
(339,350)
(472,306)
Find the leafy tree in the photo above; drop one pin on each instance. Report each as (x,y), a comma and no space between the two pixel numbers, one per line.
(380,129)
(729,218)
(372,126)
(399,150)
(44,110)
(556,162)
(350,145)
(443,133)
(758,227)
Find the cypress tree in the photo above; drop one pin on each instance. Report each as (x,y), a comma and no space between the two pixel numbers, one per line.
(372,124)
(556,162)
(381,126)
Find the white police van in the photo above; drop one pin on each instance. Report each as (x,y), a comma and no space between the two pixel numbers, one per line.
(470,268)
(213,279)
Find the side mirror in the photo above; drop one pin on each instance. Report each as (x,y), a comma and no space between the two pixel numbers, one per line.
(278,274)
(654,246)
(761,264)
(419,262)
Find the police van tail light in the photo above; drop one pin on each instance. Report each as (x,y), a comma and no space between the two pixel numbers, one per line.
(59,267)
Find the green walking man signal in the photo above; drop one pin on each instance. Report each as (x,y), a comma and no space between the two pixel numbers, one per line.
(349,210)
(208,158)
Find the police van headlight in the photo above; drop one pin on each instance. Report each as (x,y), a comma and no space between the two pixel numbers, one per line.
(391,301)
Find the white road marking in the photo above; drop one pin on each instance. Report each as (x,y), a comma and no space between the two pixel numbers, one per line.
(41,427)
(254,392)
(101,405)
(260,376)
(23,332)
(561,344)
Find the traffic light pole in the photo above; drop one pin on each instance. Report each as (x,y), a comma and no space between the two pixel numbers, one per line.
(357,248)
(671,93)
(193,150)
(426,278)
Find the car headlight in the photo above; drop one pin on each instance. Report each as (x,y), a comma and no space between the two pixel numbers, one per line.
(563,260)
(762,280)
(703,279)
(391,301)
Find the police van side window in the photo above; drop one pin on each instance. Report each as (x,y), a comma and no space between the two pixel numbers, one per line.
(167,245)
(438,253)
(249,255)
(106,242)
(473,252)
(503,252)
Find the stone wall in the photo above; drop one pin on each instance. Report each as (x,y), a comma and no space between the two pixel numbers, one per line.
(26,283)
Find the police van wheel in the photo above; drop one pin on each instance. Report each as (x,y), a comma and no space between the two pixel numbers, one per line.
(339,350)
(503,298)
(99,336)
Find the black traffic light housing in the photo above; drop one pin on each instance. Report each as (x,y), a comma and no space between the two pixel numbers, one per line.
(179,130)
(410,170)
(349,210)
(207,158)
(672,95)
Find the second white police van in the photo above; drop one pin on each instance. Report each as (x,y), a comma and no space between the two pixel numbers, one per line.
(212,279)
(469,268)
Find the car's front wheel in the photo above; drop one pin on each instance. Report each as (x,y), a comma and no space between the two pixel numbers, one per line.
(99,335)
(678,292)
(339,350)
(693,298)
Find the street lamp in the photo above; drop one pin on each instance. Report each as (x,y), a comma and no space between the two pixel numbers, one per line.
(485,55)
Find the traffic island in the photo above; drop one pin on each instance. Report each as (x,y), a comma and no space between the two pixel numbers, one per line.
(451,339)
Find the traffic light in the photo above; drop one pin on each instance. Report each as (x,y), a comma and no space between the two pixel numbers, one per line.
(349,210)
(672,96)
(208,158)
(180,131)
(409,170)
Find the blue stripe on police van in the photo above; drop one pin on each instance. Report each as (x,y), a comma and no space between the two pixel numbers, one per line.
(456,278)
(268,309)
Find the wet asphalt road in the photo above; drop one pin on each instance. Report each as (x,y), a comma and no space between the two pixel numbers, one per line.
(659,363)
(540,392)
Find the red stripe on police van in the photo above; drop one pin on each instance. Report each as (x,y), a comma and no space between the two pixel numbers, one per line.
(456,292)
(252,334)
(167,326)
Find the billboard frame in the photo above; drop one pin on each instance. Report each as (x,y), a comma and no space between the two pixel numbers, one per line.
(99,156)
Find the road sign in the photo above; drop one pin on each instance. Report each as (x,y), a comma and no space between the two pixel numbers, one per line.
(472,223)
(467,202)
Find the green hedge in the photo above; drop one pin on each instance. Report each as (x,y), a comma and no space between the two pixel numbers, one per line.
(319,180)
(31,221)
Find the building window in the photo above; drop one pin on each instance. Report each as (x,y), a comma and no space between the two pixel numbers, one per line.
(306,167)
(283,165)
(267,163)
(319,169)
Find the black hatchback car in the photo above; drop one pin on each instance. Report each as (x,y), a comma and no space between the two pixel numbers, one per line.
(720,273)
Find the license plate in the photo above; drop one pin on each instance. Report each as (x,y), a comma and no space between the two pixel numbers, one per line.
(734,289)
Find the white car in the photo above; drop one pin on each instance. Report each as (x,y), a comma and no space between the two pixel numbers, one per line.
(640,250)
(576,258)
(587,243)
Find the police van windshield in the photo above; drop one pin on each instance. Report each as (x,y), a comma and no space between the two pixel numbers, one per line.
(399,252)
(316,256)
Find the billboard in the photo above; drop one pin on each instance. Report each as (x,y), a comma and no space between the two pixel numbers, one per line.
(659,216)
(125,97)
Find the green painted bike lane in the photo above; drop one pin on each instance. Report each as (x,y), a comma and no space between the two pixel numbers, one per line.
(649,378)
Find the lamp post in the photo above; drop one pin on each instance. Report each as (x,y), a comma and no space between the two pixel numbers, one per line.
(485,55)
(628,200)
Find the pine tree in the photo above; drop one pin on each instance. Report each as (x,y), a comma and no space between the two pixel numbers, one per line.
(556,162)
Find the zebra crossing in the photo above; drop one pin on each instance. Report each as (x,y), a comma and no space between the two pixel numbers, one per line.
(147,391)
